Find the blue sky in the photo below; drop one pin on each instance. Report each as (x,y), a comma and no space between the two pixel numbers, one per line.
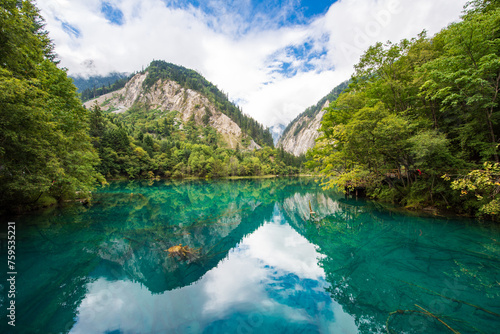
(277,12)
(112,13)
(274,58)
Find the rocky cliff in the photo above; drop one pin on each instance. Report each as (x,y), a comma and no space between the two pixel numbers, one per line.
(301,133)
(168,95)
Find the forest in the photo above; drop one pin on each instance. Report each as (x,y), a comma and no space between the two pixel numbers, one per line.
(144,143)
(52,149)
(419,123)
(417,126)
(45,150)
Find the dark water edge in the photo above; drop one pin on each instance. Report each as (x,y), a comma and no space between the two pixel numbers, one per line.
(265,264)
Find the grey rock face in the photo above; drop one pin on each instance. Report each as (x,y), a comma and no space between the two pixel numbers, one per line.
(168,96)
(302,134)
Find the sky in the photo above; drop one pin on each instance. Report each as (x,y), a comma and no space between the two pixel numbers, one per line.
(273,58)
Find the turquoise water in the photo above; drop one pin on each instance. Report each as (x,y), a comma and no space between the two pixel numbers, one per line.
(259,263)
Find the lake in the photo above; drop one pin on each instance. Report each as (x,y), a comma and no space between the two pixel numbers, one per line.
(251,259)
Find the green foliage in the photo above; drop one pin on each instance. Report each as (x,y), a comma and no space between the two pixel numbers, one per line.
(94,86)
(45,149)
(23,42)
(162,147)
(481,186)
(160,70)
(416,110)
(464,80)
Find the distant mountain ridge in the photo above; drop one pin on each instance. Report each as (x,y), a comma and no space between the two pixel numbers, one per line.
(277,132)
(97,81)
(301,133)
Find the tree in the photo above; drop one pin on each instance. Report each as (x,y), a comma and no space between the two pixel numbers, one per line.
(465,80)
(482,188)
(45,148)
(97,125)
(421,108)
(23,42)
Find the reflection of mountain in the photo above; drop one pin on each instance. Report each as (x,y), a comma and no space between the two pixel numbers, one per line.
(70,260)
(379,262)
(124,235)
(297,206)
(210,218)
(142,256)
(324,206)
(218,216)
(270,282)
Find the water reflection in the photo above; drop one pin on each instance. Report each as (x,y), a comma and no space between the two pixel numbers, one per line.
(265,264)
(413,273)
(270,282)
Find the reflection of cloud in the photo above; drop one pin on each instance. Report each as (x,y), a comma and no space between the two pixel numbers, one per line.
(129,307)
(281,247)
(271,278)
(233,283)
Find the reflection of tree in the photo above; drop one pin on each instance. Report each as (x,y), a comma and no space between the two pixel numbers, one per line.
(53,264)
(124,235)
(378,262)
(211,217)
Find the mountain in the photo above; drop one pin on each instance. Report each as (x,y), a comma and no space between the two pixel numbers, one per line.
(221,222)
(277,132)
(164,88)
(96,82)
(301,133)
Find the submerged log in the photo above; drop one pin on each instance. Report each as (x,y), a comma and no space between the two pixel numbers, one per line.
(182,252)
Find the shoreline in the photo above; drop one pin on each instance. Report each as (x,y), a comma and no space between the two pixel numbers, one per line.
(429,211)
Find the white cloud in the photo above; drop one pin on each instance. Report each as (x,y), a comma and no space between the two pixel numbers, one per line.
(238,49)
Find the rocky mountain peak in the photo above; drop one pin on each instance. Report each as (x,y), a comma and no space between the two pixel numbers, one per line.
(169,95)
(301,134)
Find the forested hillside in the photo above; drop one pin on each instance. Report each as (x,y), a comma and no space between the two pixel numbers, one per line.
(169,121)
(153,144)
(187,78)
(45,150)
(421,117)
(160,70)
